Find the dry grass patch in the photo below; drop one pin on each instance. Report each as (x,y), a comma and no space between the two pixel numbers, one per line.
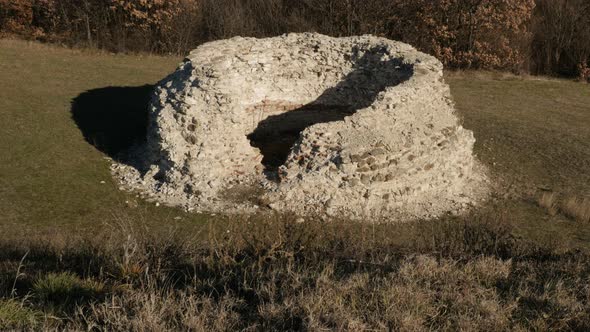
(277,274)
(549,201)
(577,208)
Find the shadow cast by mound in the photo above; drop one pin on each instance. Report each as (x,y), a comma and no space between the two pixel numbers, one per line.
(113,119)
(276,135)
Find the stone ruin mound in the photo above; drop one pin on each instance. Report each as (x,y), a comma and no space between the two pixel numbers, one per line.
(359,127)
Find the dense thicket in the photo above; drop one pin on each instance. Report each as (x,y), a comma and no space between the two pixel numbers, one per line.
(543,36)
(561,44)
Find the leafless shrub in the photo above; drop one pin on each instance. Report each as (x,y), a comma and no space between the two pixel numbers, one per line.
(462,33)
(561,43)
(472,34)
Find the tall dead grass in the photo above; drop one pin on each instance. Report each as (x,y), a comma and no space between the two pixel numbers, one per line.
(549,201)
(575,208)
(276,274)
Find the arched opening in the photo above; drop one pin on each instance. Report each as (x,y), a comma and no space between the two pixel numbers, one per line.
(276,134)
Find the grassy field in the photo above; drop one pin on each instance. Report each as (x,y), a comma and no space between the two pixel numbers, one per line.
(49,175)
(531,134)
(84,243)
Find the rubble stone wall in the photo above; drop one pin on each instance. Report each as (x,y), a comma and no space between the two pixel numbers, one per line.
(359,127)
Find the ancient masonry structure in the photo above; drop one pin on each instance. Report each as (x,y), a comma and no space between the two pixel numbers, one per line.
(360,127)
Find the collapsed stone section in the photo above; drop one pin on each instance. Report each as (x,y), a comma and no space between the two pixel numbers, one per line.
(355,127)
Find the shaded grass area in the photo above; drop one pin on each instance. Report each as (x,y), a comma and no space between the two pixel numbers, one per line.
(277,274)
(113,119)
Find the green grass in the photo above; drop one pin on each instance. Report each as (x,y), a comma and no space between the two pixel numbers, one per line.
(14,315)
(49,175)
(531,133)
(74,255)
(65,289)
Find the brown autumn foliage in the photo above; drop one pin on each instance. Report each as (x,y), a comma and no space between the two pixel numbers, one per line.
(487,34)
(145,17)
(543,36)
(462,33)
(16,16)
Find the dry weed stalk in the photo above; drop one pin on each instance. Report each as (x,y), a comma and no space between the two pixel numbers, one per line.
(549,201)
